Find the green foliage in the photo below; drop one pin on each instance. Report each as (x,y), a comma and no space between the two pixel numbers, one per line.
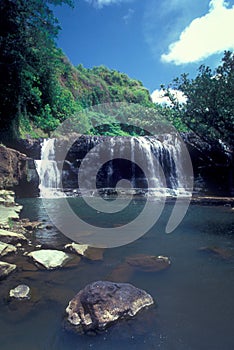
(209,110)
(27,60)
(39,87)
(103,85)
(169,114)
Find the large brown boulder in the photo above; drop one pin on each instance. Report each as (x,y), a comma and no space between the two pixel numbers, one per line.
(17,172)
(101,303)
(12,167)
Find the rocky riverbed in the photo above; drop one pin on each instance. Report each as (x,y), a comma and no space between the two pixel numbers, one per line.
(20,253)
(185,273)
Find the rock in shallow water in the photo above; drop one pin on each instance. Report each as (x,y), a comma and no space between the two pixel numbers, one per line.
(22,291)
(11,237)
(145,263)
(218,252)
(50,258)
(86,251)
(6,269)
(6,249)
(149,263)
(101,303)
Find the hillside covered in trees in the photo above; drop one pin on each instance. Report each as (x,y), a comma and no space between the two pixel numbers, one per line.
(40,88)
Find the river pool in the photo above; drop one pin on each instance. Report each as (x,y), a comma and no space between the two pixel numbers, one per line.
(194,297)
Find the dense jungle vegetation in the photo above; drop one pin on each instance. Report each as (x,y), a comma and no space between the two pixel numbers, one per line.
(40,88)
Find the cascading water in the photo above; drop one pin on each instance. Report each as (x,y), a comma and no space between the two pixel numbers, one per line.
(47,169)
(160,158)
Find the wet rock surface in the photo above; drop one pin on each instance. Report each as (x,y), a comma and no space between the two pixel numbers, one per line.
(6,269)
(219,252)
(148,263)
(11,237)
(31,225)
(6,249)
(50,259)
(22,291)
(102,303)
(145,263)
(85,251)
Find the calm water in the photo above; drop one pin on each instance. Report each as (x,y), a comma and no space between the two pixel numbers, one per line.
(195,297)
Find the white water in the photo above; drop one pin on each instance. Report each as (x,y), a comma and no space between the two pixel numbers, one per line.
(47,169)
(168,154)
(161,159)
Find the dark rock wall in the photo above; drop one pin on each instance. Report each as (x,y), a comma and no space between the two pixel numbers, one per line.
(17,172)
(213,166)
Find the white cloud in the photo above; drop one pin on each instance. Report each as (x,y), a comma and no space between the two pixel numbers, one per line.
(205,36)
(102,3)
(158,97)
(128,15)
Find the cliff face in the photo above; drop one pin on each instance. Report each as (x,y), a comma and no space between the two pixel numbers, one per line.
(17,172)
(12,167)
(212,166)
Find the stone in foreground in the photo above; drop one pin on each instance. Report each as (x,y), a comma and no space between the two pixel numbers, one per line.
(11,237)
(49,258)
(22,291)
(101,303)
(86,251)
(6,249)
(6,269)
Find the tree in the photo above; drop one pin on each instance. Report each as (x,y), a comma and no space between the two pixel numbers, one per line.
(209,109)
(27,51)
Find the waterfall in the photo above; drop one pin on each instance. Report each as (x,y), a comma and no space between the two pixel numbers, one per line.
(47,169)
(161,169)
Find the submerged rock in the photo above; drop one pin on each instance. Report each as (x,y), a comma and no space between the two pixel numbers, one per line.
(11,237)
(149,263)
(6,269)
(219,252)
(141,262)
(49,258)
(86,251)
(101,303)
(6,249)
(22,291)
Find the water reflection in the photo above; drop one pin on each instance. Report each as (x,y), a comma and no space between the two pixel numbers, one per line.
(194,297)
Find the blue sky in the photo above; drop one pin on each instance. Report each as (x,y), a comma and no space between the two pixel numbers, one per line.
(150,40)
